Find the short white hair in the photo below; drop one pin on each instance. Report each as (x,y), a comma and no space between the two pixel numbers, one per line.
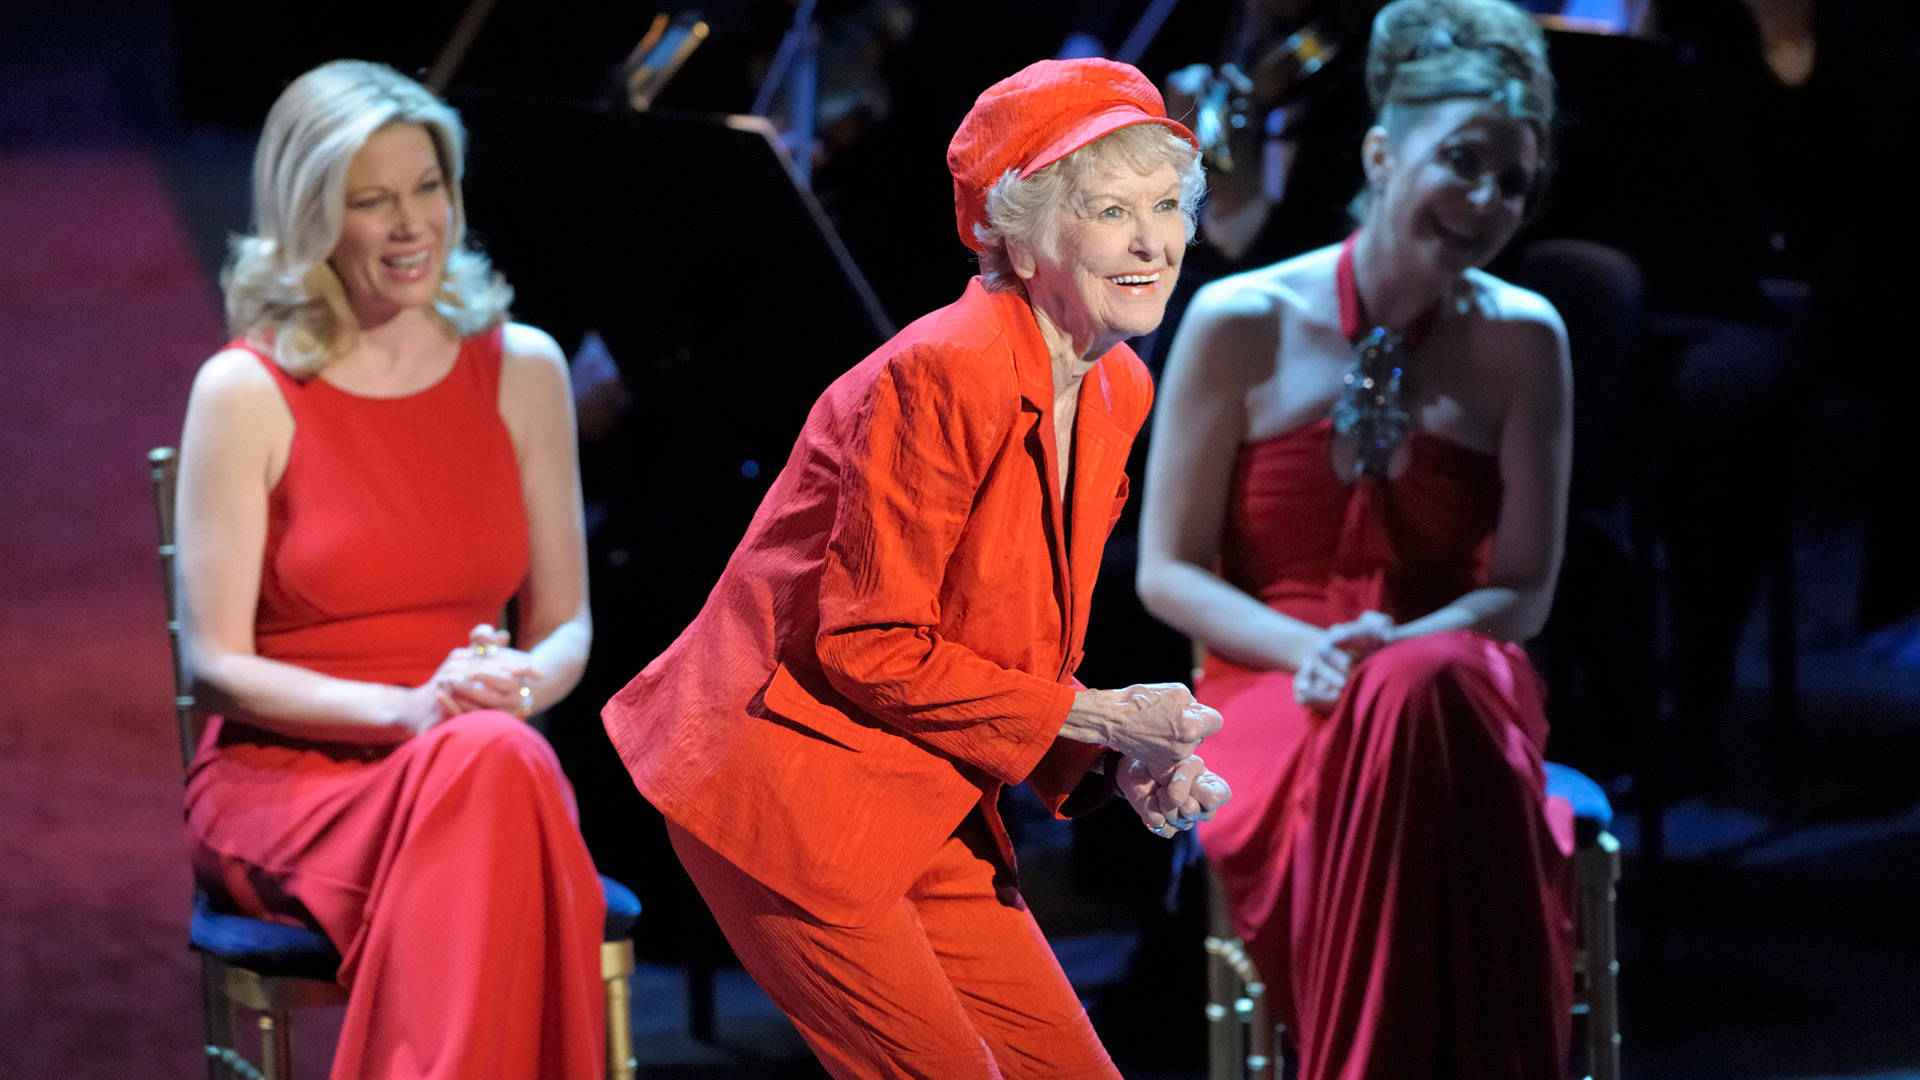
(1030,210)
(277,282)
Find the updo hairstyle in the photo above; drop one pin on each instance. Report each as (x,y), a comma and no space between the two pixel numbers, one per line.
(1423,52)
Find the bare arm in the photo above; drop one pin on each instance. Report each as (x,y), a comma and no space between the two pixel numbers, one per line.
(556,626)
(233,448)
(1197,430)
(1535,455)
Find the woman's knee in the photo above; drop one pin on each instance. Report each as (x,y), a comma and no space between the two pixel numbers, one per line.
(1419,666)
(1452,690)
(488,738)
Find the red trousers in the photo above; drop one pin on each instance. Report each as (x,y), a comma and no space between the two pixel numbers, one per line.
(949,984)
(1396,869)
(449,872)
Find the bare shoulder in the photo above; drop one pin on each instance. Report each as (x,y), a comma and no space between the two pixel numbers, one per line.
(1233,327)
(1524,336)
(237,421)
(232,372)
(1255,300)
(1508,308)
(1232,319)
(530,349)
(234,384)
(536,391)
(1251,296)
(533,371)
(1522,320)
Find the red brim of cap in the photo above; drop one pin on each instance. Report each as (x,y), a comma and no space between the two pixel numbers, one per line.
(1093,127)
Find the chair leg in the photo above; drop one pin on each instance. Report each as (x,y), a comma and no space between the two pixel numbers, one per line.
(1226,1033)
(1245,1063)
(216,1009)
(616,966)
(276,1046)
(1263,1059)
(1243,1042)
(700,1004)
(1599,873)
(1223,1031)
(1783,705)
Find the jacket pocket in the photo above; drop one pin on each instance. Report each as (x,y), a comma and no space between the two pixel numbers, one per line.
(786,700)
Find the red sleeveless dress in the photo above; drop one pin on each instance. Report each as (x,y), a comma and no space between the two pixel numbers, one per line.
(1395,867)
(448,870)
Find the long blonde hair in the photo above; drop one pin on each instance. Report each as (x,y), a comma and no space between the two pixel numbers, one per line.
(279,288)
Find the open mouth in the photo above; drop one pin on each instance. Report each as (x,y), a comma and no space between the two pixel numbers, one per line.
(1453,239)
(1136,284)
(407,265)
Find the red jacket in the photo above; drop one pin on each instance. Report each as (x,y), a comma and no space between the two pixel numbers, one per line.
(894,640)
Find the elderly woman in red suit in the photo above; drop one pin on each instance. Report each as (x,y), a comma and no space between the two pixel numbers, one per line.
(1355,501)
(894,641)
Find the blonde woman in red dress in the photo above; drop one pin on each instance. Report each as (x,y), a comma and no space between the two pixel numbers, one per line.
(369,472)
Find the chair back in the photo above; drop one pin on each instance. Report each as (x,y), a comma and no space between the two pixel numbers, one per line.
(1601,295)
(163,468)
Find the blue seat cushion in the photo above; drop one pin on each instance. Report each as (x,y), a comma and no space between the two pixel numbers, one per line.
(1592,813)
(273,949)
(623,908)
(262,947)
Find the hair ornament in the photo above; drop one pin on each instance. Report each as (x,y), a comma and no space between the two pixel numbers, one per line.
(1514,96)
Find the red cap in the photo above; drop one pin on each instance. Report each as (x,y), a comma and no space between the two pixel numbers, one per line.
(1038,115)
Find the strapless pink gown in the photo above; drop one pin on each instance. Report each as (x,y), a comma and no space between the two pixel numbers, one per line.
(1396,868)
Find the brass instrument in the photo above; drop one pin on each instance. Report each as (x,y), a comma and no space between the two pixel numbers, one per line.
(1228,98)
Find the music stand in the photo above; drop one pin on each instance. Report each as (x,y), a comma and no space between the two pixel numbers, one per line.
(721,289)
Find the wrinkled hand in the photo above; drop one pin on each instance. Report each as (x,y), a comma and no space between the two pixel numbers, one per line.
(1190,794)
(1321,679)
(1158,724)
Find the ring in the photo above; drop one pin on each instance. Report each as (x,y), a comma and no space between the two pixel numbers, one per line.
(526,700)
(483,649)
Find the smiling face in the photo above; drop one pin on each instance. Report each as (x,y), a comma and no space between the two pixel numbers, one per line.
(1115,254)
(393,238)
(1454,184)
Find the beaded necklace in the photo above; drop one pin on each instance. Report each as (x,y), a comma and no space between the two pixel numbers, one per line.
(1372,407)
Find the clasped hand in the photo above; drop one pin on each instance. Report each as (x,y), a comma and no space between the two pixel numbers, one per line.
(485,673)
(1157,723)
(1156,727)
(1320,679)
(1176,801)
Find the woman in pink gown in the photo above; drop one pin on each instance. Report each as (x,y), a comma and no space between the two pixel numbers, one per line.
(1354,503)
